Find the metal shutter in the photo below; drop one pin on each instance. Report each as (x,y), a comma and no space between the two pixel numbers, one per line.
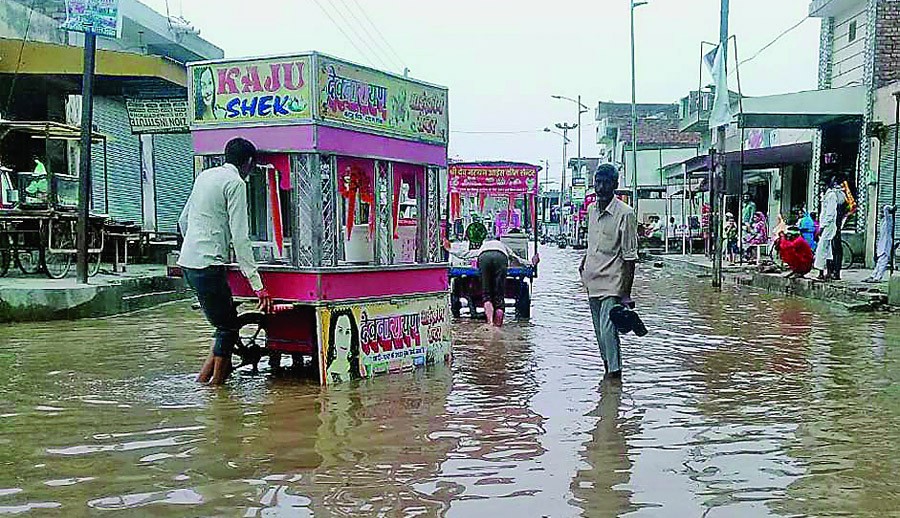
(173,159)
(123,162)
(886,185)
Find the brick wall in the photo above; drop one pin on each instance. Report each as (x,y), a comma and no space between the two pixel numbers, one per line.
(887,43)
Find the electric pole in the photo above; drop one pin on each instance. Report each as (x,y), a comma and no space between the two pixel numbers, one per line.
(563,190)
(719,167)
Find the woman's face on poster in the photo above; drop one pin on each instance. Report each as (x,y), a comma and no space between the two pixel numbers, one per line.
(343,337)
(207,86)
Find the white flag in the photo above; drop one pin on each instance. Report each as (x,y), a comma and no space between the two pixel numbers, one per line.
(721,111)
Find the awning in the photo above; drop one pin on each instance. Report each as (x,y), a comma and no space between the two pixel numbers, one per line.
(762,158)
(50,59)
(46,130)
(801,110)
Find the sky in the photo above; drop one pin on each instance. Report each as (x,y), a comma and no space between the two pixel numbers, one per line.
(503,60)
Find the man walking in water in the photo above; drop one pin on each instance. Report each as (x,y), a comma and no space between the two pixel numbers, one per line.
(607,269)
(214,218)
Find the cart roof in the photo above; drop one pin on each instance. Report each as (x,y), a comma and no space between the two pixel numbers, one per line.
(46,129)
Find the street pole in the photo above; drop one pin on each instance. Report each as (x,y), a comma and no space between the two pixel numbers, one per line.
(578,162)
(564,191)
(634,173)
(84,177)
(720,166)
(894,187)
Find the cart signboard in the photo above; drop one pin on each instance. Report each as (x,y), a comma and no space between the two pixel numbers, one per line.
(370,338)
(494,179)
(100,17)
(149,116)
(359,97)
(258,91)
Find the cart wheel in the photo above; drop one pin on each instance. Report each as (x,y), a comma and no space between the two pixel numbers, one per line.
(252,342)
(523,301)
(93,264)
(455,305)
(4,262)
(28,261)
(57,266)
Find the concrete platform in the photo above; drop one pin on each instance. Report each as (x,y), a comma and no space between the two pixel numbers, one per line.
(850,292)
(29,298)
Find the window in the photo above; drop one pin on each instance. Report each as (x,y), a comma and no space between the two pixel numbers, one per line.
(852,31)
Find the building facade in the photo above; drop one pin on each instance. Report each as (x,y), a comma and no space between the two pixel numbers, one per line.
(147,177)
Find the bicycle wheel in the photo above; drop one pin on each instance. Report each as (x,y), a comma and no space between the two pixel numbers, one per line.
(847,258)
(57,264)
(28,261)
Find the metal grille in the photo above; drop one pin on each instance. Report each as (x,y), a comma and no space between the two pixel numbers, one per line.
(331,247)
(211,161)
(433,238)
(302,231)
(886,186)
(384,248)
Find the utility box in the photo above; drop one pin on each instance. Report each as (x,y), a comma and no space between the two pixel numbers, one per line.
(894,290)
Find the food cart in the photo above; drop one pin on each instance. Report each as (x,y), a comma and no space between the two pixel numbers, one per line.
(344,211)
(38,208)
(474,184)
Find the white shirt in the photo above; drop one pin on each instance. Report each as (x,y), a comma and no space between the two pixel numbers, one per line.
(490,245)
(214,217)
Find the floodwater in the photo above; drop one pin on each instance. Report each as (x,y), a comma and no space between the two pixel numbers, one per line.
(736,404)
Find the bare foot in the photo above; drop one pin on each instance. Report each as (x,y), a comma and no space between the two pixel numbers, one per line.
(206,371)
(221,370)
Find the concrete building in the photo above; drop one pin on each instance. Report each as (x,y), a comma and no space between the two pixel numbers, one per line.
(659,143)
(148,177)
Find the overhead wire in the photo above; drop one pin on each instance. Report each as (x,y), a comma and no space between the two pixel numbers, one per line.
(376,47)
(361,37)
(775,40)
(12,84)
(342,31)
(379,33)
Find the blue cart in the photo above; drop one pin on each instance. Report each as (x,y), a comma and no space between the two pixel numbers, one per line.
(465,285)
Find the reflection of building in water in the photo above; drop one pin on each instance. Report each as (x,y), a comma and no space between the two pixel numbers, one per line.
(599,489)
(491,416)
(361,448)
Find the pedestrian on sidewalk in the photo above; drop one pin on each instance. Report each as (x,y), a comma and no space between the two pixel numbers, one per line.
(883,247)
(214,219)
(607,269)
(830,221)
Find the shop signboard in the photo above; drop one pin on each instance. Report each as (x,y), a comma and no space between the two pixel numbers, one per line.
(361,340)
(147,116)
(100,17)
(578,194)
(260,91)
(493,179)
(359,97)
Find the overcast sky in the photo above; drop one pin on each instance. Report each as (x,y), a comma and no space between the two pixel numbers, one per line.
(503,59)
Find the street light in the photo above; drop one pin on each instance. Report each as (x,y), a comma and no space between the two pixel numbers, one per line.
(563,189)
(581,109)
(634,176)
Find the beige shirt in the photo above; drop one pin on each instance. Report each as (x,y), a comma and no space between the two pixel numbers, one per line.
(214,218)
(612,240)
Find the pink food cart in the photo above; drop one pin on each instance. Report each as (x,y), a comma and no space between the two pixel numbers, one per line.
(344,213)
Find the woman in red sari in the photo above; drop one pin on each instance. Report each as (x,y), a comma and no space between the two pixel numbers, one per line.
(795,252)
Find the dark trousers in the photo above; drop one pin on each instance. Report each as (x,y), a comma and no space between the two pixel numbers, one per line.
(837,257)
(493,266)
(211,286)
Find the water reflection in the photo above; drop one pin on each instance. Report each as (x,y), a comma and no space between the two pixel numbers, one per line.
(737,404)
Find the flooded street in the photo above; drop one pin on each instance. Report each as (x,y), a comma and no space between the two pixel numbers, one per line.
(736,404)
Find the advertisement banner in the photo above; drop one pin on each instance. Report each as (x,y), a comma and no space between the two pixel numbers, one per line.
(494,180)
(157,115)
(98,16)
(360,97)
(258,91)
(367,339)
(579,192)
